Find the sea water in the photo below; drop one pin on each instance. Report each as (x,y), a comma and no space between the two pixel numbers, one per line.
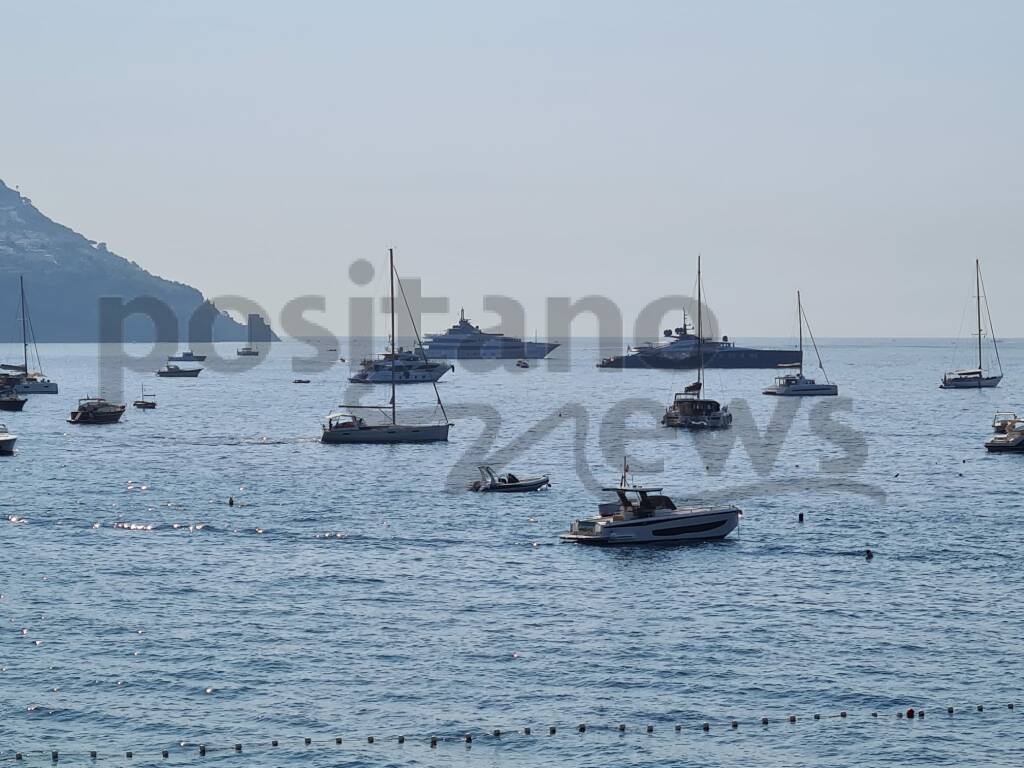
(360,591)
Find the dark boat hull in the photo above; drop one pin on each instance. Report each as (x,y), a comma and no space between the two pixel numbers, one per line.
(86,417)
(527,350)
(1007,448)
(13,404)
(726,358)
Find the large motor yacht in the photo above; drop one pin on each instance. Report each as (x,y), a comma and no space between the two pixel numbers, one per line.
(465,341)
(405,367)
(686,350)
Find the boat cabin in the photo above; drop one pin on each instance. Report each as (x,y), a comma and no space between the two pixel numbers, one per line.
(634,501)
(345,421)
(691,404)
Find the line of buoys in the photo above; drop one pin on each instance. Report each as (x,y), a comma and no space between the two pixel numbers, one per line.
(911,713)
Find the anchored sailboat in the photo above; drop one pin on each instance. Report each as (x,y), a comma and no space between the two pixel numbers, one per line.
(688,409)
(797,385)
(975,378)
(28,383)
(346,426)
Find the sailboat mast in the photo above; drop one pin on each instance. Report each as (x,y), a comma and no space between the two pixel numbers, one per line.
(391,260)
(800,323)
(24,333)
(977,288)
(700,330)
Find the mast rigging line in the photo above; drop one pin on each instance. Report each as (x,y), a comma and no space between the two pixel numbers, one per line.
(988,313)
(419,342)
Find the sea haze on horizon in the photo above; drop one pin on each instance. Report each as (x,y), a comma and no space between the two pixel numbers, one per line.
(865,153)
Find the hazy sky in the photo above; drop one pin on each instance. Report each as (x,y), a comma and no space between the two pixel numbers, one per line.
(864,152)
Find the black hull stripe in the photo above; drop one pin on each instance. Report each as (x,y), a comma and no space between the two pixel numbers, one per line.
(616,526)
(683,529)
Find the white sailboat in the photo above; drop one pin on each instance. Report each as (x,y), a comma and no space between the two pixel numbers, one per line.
(976,378)
(346,426)
(28,382)
(688,409)
(797,385)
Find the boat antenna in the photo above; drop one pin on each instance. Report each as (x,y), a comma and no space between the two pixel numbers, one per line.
(992,330)
(419,346)
(810,333)
(800,328)
(700,331)
(391,261)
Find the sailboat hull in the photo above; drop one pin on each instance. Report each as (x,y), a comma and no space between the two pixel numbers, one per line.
(388,433)
(36,387)
(974,382)
(803,390)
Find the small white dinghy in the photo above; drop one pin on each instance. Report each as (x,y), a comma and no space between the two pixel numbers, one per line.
(642,515)
(7,441)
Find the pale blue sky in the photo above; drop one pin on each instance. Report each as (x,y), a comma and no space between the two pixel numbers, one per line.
(864,152)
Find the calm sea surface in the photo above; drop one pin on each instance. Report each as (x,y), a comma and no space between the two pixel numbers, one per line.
(361,591)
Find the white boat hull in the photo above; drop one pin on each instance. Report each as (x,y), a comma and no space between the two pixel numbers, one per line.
(36,387)
(700,524)
(975,382)
(804,390)
(401,377)
(7,444)
(388,433)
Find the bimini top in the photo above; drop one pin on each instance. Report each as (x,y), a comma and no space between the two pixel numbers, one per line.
(633,488)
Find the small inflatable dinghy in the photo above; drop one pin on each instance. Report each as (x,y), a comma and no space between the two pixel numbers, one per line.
(507,483)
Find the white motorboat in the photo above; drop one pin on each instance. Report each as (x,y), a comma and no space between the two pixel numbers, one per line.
(29,382)
(522,364)
(7,441)
(490,482)
(796,384)
(977,378)
(172,371)
(1010,441)
(348,427)
(188,356)
(1002,420)
(247,352)
(689,408)
(405,367)
(642,515)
